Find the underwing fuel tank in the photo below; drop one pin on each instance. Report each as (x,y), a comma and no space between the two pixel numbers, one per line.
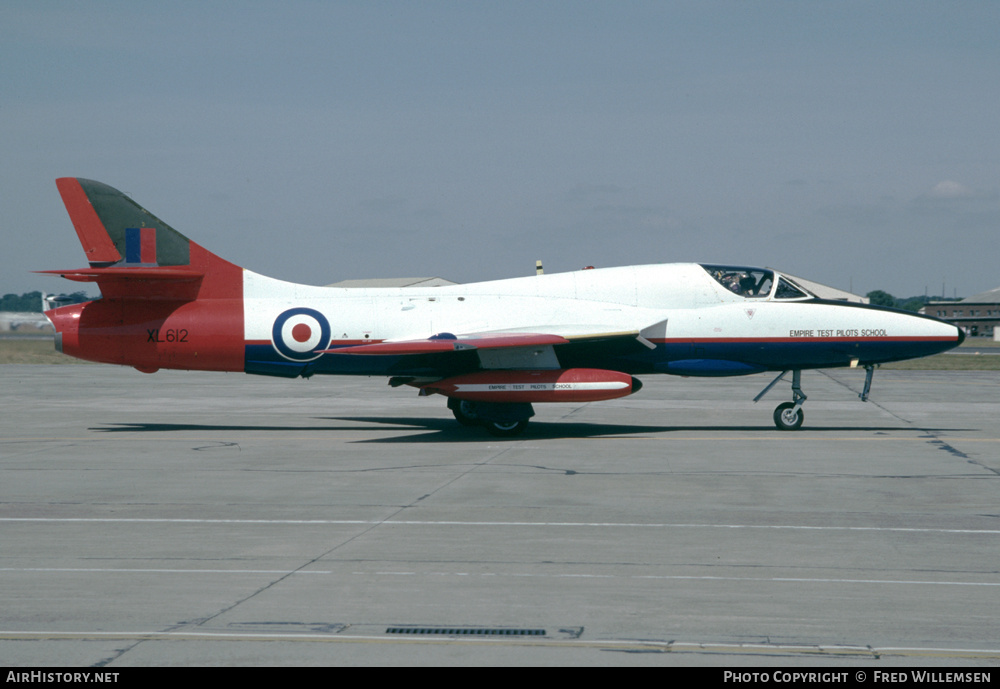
(561,385)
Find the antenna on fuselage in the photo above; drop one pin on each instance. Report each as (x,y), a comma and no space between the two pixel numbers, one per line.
(538,268)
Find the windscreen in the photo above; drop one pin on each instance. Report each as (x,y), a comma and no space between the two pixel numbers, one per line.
(789,290)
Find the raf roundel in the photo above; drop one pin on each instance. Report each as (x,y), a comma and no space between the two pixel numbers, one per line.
(300,334)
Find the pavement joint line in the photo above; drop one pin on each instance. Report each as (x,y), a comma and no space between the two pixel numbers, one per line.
(403,522)
(611,644)
(526,575)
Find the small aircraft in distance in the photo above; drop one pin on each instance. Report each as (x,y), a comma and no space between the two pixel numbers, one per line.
(491,348)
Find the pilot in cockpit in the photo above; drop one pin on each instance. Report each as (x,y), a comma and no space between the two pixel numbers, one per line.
(732,281)
(750,283)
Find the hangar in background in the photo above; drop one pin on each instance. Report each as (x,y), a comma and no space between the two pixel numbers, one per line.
(978,315)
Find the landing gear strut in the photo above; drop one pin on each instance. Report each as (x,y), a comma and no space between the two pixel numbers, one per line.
(869,372)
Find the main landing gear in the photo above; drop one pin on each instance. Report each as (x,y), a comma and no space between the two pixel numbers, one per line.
(503,420)
(788,416)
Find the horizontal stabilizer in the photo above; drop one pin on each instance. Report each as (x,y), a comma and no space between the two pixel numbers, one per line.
(115,274)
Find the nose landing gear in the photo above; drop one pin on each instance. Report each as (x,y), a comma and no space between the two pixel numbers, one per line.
(788,416)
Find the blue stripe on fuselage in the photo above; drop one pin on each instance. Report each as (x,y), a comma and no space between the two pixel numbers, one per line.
(695,357)
(806,353)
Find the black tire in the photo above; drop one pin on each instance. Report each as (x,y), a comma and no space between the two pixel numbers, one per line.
(505,429)
(465,412)
(787,418)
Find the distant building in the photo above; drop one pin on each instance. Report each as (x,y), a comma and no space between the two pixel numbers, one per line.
(979,315)
(13,320)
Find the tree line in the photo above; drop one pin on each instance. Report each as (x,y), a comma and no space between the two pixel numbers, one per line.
(880,298)
(32,301)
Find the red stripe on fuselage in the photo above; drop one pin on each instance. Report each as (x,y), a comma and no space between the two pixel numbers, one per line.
(335,343)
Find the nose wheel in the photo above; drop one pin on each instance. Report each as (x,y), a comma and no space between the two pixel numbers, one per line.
(788,416)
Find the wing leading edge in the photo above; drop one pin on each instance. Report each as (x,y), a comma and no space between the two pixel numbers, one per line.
(509,349)
(446,342)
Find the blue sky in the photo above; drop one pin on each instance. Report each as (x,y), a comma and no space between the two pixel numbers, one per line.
(853,143)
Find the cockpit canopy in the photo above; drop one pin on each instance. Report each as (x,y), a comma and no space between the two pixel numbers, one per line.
(756,283)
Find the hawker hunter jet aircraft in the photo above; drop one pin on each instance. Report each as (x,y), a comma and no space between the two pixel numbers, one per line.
(492,348)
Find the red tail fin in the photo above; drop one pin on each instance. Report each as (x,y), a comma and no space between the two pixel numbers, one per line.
(168,303)
(132,253)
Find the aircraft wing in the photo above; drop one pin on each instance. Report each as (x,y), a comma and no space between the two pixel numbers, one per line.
(511,348)
(446,342)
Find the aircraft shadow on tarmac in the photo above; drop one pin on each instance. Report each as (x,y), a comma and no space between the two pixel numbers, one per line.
(446,430)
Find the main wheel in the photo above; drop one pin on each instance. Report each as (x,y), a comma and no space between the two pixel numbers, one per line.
(787,417)
(505,429)
(465,412)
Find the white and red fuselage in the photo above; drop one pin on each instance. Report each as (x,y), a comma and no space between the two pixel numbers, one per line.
(267,326)
(169,303)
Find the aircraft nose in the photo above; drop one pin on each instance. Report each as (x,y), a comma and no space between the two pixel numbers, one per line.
(961,336)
